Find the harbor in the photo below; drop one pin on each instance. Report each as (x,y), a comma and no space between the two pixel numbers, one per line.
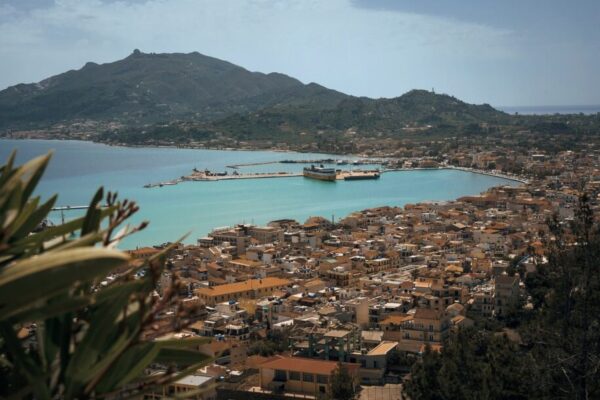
(331,174)
(318,173)
(329,170)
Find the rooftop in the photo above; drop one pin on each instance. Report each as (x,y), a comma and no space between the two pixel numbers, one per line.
(238,287)
(308,365)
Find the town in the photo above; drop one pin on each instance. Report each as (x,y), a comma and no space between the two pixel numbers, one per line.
(286,302)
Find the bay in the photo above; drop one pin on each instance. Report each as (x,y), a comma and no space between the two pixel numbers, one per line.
(78,168)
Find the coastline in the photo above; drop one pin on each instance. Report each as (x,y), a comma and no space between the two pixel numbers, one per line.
(185,147)
(515,178)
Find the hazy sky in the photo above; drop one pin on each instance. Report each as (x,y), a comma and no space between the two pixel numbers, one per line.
(504,52)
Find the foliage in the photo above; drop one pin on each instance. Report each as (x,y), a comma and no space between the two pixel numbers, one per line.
(276,342)
(342,384)
(560,351)
(86,330)
(472,365)
(565,333)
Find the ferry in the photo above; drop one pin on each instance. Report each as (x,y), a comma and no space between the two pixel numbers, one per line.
(321,173)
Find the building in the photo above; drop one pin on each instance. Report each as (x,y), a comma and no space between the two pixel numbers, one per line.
(198,387)
(506,293)
(250,289)
(427,327)
(301,375)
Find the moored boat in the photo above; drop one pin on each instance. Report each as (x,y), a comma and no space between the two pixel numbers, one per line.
(321,173)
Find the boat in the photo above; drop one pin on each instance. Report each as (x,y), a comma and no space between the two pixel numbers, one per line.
(321,173)
(359,174)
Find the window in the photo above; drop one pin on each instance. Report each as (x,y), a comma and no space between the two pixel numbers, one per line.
(322,379)
(321,389)
(431,338)
(308,377)
(294,376)
(430,328)
(280,375)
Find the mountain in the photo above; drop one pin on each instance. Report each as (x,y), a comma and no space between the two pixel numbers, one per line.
(145,88)
(413,111)
(187,97)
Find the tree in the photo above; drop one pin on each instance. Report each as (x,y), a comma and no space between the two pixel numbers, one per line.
(560,350)
(85,331)
(342,384)
(565,331)
(472,365)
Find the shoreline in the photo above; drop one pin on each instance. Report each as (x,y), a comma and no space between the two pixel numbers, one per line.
(515,178)
(187,147)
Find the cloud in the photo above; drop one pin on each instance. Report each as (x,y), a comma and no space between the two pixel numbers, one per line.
(372,52)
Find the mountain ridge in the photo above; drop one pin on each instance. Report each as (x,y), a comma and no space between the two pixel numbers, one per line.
(150,88)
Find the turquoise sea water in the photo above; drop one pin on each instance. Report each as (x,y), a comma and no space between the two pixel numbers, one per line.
(78,168)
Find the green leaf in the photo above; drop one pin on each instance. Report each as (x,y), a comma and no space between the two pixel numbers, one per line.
(22,176)
(92,218)
(35,218)
(128,366)
(183,343)
(28,283)
(36,172)
(38,240)
(11,208)
(7,170)
(25,363)
(108,335)
(181,357)
(23,214)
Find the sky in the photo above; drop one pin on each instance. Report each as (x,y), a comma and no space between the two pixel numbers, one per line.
(504,52)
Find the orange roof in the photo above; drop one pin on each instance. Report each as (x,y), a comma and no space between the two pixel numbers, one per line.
(246,263)
(383,348)
(428,313)
(238,287)
(396,319)
(308,365)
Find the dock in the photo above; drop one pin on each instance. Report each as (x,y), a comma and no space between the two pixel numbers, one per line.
(257,175)
(345,175)
(206,176)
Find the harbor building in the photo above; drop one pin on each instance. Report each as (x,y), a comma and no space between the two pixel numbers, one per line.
(250,289)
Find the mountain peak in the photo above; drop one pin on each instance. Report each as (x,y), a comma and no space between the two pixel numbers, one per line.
(151,87)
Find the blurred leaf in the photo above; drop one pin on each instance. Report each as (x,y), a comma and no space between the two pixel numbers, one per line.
(105,339)
(92,218)
(128,366)
(34,219)
(12,207)
(36,171)
(23,176)
(38,240)
(32,372)
(182,343)
(26,284)
(180,357)
(7,169)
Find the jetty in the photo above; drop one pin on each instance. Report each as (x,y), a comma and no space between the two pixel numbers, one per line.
(340,174)
(208,176)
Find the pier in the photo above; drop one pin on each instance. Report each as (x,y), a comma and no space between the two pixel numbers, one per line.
(345,175)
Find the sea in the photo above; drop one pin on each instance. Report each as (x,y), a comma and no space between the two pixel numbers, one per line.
(78,168)
(550,110)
